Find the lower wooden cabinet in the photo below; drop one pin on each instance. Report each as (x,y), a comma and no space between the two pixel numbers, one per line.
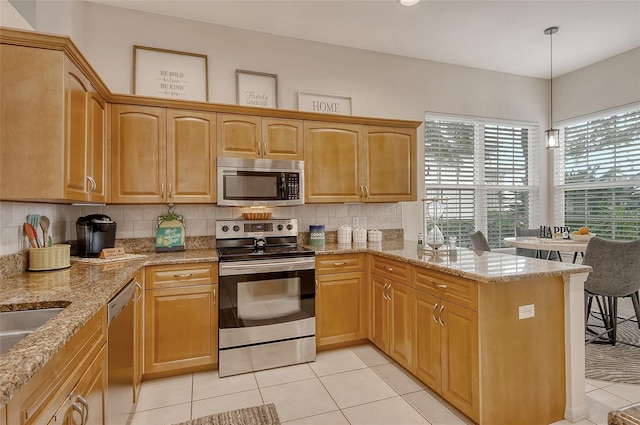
(181,318)
(341,307)
(85,405)
(138,335)
(71,386)
(445,349)
(391,319)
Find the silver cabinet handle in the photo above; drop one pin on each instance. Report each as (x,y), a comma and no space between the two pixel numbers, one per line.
(361,192)
(433,313)
(440,315)
(183,275)
(162,190)
(317,287)
(77,408)
(215,298)
(440,285)
(85,408)
(93,184)
(366,191)
(339,263)
(389,269)
(140,288)
(170,190)
(384,290)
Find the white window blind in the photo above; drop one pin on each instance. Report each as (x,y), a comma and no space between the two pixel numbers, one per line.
(598,175)
(484,168)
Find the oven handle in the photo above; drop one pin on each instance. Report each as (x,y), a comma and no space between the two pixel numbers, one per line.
(245,267)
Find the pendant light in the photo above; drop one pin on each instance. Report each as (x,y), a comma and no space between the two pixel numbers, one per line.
(553,134)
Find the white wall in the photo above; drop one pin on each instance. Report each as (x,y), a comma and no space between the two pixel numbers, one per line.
(10,17)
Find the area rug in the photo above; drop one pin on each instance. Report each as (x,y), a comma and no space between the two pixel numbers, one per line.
(265,414)
(619,363)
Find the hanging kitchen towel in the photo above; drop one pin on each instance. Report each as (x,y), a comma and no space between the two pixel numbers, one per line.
(170,233)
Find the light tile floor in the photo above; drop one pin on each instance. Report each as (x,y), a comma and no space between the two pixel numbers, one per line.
(357,386)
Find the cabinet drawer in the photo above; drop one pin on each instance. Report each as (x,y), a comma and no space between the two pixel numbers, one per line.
(341,263)
(391,269)
(175,275)
(451,288)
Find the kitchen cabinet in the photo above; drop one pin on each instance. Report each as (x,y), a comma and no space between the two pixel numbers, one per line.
(162,155)
(246,136)
(341,299)
(53,132)
(445,338)
(391,310)
(181,318)
(356,163)
(138,335)
(72,384)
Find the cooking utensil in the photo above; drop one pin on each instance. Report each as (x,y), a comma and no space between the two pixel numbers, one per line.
(45,223)
(30,231)
(34,220)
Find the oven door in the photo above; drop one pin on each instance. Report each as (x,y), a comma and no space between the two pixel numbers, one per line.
(266,300)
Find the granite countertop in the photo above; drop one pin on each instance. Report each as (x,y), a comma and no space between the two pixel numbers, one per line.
(85,288)
(481,266)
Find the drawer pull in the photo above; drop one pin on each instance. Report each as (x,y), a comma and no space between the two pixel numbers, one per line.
(440,285)
(339,263)
(440,315)
(389,269)
(433,313)
(215,298)
(183,275)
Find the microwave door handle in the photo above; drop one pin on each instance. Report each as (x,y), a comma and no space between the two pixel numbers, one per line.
(283,186)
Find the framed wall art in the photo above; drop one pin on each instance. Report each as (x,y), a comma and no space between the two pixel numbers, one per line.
(170,73)
(256,89)
(324,103)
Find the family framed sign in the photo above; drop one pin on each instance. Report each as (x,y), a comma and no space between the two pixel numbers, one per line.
(256,89)
(170,73)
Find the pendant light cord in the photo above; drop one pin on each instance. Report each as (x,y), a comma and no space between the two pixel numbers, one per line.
(551,80)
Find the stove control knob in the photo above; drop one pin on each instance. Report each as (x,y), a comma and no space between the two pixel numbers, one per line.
(289,226)
(236,228)
(279,226)
(225,228)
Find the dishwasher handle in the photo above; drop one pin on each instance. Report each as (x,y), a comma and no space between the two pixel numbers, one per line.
(120,301)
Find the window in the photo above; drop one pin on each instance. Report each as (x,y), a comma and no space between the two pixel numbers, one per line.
(598,174)
(484,168)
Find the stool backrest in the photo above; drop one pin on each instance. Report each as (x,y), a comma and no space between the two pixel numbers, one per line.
(616,267)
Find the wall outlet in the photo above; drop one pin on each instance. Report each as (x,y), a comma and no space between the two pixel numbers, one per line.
(356,221)
(526,311)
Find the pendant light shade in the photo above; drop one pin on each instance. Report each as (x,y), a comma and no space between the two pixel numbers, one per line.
(552,135)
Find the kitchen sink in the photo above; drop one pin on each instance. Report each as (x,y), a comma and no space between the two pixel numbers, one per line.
(15,325)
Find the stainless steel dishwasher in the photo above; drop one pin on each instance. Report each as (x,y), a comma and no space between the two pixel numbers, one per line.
(120,355)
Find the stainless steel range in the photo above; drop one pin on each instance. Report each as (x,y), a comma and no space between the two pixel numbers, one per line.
(267,296)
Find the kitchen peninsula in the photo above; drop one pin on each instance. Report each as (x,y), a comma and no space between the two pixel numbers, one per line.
(512,366)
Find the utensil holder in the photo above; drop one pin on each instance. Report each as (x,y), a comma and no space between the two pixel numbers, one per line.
(50,258)
(316,234)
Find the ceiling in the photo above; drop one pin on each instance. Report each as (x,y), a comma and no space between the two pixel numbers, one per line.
(506,36)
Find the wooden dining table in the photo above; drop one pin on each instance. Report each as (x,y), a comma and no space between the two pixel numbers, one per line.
(549,245)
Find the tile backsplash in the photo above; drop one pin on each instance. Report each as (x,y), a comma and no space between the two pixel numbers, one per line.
(139,221)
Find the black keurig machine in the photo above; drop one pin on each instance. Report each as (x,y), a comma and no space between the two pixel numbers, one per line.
(95,232)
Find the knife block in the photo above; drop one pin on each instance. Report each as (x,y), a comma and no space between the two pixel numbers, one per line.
(50,258)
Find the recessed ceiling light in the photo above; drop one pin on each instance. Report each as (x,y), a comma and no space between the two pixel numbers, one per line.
(408,2)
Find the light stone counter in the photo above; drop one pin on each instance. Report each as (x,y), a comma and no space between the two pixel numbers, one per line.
(83,289)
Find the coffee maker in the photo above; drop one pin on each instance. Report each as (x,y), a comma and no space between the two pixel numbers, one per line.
(95,232)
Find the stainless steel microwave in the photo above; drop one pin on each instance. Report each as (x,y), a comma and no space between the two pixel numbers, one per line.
(260,182)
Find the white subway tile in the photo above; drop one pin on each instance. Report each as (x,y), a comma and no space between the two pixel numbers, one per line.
(206,212)
(196,227)
(132,212)
(116,212)
(144,228)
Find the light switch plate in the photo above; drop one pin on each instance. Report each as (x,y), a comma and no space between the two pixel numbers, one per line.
(526,311)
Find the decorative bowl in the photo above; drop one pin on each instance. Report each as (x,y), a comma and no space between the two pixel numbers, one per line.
(581,238)
(256,215)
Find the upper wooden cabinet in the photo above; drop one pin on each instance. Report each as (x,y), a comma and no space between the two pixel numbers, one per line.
(53,132)
(354,163)
(246,136)
(161,155)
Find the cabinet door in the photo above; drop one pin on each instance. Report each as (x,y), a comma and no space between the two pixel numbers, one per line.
(426,339)
(96,148)
(139,154)
(191,163)
(460,364)
(400,324)
(77,90)
(332,162)
(340,308)
(379,313)
(181,328)
(389,164)
(282,139)
(239,136)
